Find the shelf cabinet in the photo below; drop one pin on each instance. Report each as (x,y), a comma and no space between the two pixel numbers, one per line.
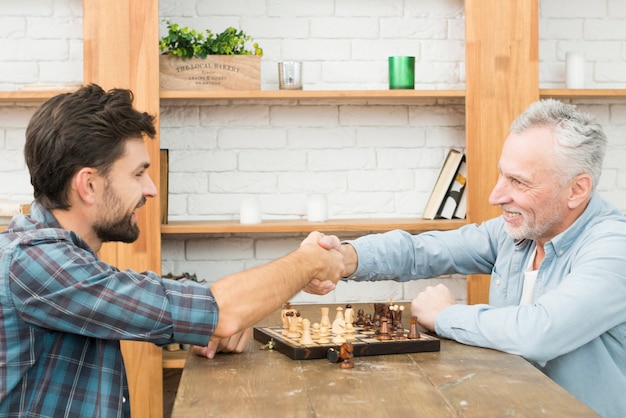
(501,76)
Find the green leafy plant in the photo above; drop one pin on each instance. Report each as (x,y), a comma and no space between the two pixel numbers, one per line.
(189,43)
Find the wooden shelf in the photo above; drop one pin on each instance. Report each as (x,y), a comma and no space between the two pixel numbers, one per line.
(174,359)
(294,226)
(312,94)
(583,93)
(29,95)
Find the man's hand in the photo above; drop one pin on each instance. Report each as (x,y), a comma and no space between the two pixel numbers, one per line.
(328,242)
(234,344)
(331,256)
(319,287)
(428,303)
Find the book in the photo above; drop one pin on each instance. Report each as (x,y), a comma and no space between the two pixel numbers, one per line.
(461,210)
(455,193)
(442,185)
(164,183)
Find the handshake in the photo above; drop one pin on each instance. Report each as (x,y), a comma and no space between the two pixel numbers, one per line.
(338,261)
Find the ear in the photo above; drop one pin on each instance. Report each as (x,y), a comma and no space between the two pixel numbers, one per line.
(580,190)
(86,183)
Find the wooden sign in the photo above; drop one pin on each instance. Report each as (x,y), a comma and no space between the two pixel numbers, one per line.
(215,72)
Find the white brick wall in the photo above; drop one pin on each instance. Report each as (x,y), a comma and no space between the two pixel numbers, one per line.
(371,159)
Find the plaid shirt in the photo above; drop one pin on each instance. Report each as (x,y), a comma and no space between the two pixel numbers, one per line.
(63,312)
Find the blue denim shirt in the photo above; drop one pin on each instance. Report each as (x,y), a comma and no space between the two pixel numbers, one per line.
(574,331)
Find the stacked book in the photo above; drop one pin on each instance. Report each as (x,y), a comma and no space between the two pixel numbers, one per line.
(447,200)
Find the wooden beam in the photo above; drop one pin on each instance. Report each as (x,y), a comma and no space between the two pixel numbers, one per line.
(502,78)
(121,50)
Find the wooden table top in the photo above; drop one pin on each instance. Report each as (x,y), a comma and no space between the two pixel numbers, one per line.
(458,380)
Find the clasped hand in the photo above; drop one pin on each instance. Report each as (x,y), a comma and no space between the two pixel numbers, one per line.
(331,243)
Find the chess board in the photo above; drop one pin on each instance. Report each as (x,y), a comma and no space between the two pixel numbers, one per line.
(365,344)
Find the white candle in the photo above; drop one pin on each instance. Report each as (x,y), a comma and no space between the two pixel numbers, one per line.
(317,210)
(250,211)
(575,70)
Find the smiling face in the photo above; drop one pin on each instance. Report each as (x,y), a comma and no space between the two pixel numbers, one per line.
(530,190)
(127,186)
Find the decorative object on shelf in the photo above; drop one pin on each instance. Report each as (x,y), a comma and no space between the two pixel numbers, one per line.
(317,208)
(250,212)
(290,75)
(193,60)
(455,194)
(443,183)
(9,208)
(401,72)
(575,70)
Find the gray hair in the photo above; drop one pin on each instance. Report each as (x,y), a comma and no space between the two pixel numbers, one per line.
(580,140)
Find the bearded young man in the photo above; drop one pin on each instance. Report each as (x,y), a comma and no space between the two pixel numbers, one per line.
(63,311)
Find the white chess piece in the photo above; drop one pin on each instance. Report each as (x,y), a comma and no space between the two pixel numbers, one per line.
(306,333)
(339,324)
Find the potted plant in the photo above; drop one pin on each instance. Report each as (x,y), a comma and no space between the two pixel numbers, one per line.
(193,60)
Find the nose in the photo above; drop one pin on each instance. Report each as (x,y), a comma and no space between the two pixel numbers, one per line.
(149,188)
(498,195)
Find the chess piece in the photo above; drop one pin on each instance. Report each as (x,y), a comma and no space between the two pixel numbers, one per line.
(348,316)
(400,332)
(360,318)
(283,316)
(315,331)
(293,326)
(413,332)
(324,333)
(306,333)
(339,324)
(346,352)
(384,334)
(325,321)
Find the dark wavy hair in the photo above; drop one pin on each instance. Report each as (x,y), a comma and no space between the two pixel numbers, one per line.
(86,128)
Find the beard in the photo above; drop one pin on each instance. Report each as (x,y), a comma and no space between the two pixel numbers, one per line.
(532,230)
(115,224)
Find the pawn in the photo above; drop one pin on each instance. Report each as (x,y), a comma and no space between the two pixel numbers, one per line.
(400,332)
(338,339)
(306,333)
(413,332)
(360,318)
(384,334)
(315,331)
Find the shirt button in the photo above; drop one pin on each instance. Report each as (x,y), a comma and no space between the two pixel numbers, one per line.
(123,399)
(498,282)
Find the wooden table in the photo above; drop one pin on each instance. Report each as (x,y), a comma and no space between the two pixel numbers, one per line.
(457,381)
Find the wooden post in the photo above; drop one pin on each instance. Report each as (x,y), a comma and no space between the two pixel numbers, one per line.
(121,50)
(502,78)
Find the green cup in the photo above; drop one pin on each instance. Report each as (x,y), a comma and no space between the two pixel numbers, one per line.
(401,73)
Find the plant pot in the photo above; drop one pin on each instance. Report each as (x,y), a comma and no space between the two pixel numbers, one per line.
(215,72)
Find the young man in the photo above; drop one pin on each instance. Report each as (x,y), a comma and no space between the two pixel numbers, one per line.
(556,258)
(63,311)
